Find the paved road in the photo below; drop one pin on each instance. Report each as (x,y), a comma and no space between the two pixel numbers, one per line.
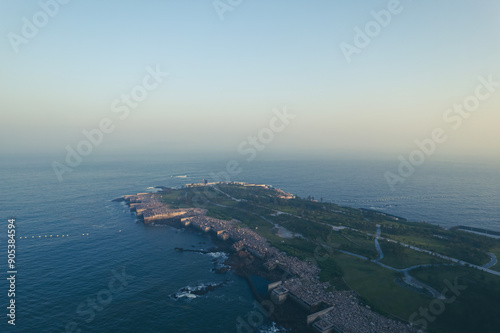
(457,261)
(377,245)
(484,268)
(493,261)
(227,195)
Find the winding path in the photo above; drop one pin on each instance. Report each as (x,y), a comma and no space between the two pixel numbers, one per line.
(408,279)
(377,245)
(493,261)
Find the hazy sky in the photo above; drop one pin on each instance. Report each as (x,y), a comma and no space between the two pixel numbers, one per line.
(227,75)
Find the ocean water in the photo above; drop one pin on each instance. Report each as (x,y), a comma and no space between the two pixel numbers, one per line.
(122,276)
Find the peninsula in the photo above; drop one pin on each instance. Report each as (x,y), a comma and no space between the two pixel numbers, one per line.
(344,269)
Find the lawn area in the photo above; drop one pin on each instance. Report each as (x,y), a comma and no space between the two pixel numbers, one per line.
(474,308)
(436,245)
(496,252)
(444,247)
(355,242)
(398,256)
(306,228)
(376,286)
(172,198)
(300,248)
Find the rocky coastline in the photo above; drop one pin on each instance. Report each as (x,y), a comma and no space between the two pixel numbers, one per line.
(245,265)
(299,300)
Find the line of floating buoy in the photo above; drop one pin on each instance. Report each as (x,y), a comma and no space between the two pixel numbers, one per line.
(49,236)
(53,236)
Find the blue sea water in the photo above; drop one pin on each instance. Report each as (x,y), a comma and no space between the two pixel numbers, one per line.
(134,270)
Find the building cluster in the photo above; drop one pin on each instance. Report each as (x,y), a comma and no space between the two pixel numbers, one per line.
(243,238)
(348,315)
(281,194)
(207,183)
(333,311)
(330,311)
(150,209)
(285,195)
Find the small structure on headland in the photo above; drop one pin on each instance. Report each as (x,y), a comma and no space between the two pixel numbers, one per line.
(279,295)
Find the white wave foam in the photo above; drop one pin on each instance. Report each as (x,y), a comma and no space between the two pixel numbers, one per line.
(185,294)
(218,255)
(272,329)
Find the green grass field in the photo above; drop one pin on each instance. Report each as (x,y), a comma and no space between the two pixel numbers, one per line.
(444,247)
(398,256)
(377,287)
(474,310)
(496,252)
